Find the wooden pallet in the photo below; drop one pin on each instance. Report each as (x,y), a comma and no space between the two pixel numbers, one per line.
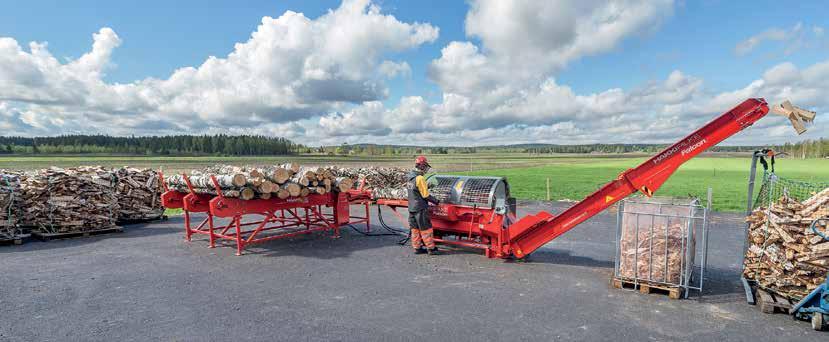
(646,287)
(769,302)
(137,221)
(18,239)
(70,235)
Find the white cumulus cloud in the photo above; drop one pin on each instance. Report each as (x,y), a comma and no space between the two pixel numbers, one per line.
(292,68)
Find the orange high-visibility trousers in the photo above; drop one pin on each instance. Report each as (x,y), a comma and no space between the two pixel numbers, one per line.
(423,237)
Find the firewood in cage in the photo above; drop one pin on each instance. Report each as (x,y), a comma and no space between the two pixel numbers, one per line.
(655,255)
(264,195)
(785,255)
(304,192)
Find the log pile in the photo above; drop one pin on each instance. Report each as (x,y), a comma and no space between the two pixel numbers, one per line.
(653,247)
(384,182)
(78,199)
(263,182)
(784,254)
(9,203)
(138,192)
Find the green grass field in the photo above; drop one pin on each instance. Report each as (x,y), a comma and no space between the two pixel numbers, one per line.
(571,176)
(575,178)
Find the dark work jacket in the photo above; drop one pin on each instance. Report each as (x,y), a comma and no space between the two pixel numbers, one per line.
(416,201)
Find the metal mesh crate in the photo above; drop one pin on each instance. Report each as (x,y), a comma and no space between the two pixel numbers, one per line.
(662,241)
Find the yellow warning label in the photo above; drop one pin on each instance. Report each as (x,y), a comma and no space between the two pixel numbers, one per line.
(459,186)
(607,199)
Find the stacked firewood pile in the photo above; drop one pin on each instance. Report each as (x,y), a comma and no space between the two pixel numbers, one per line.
(138,192)
(384,182)
(653,247)
(9,203)
(263,182)
(78,199)
(648,258)
(785,255)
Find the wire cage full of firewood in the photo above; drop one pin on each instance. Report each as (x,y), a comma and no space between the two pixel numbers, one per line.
(662,242)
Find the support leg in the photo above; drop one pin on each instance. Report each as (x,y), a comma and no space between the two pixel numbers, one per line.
(368,218)
(239,243)
(188,232)
(211,235)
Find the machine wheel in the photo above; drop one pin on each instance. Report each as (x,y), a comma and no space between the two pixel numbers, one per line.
(817,321)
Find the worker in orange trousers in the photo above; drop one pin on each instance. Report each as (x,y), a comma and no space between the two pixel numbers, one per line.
(419,198)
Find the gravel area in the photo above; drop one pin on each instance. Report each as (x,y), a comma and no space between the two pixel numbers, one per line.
(149,284)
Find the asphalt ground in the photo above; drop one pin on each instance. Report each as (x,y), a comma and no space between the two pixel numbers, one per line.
(149,284)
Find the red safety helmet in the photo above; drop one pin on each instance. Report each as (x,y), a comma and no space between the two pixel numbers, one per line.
(421,161)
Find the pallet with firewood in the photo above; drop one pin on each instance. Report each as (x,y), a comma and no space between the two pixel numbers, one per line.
(138,192)
(646,287)
(17,239)
(48,236)
(769,301)
(68,201)
(788,254)
(10,232)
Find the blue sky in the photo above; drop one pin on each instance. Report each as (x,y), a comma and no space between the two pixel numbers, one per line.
(697,38)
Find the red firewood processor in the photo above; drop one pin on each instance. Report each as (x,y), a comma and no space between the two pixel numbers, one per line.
(478,212)
(473,212)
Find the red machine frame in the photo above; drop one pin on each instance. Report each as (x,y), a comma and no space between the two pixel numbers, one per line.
(504,237)
(273,218)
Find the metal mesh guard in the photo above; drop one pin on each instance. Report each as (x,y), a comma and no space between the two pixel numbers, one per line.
(443,189)
(477,191)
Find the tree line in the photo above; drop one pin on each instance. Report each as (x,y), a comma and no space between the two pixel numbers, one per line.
(818,148)
(235,145)
(805,149)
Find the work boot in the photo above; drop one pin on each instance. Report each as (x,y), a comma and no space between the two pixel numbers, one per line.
(420,250)
(433,251)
